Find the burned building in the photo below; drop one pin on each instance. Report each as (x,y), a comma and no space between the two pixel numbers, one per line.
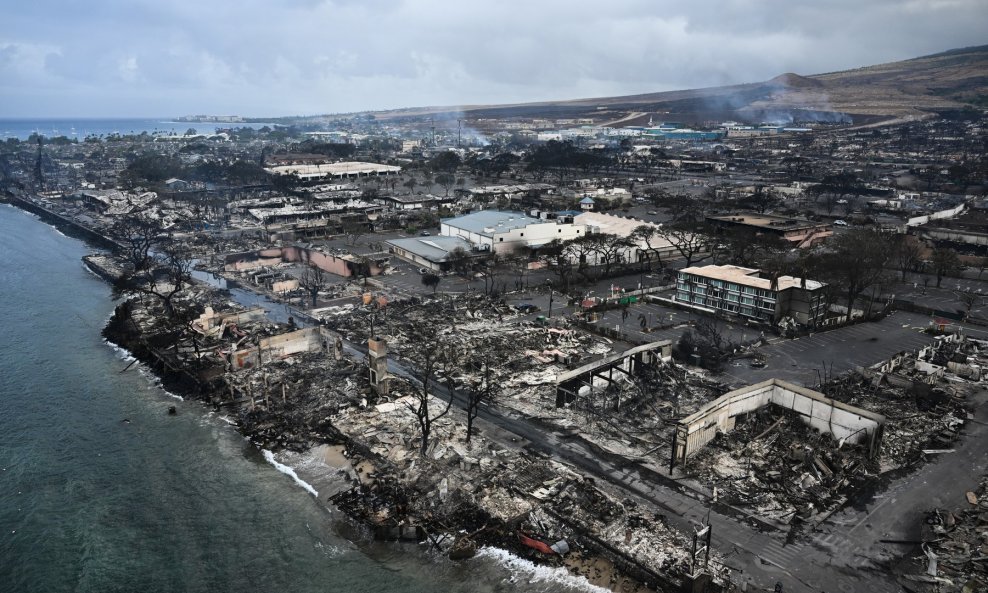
(799,232)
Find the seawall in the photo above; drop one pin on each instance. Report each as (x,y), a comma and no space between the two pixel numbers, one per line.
(70,226)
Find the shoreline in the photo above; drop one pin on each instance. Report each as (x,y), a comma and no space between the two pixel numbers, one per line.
(595,568)
(590,571)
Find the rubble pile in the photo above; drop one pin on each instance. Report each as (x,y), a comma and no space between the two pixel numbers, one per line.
(292,403)
(209,248)
(641,534)
(954,555)
(469,314)
(526,356)
(632,416)
(778,467)
(919,418)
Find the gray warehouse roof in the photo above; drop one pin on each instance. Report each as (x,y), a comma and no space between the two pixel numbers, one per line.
(434,249)
(487,222)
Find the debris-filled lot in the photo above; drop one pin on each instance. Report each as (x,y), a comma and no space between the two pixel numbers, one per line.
(293,389)
(953,557)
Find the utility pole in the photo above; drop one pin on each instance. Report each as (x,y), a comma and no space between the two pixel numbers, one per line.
(458,121)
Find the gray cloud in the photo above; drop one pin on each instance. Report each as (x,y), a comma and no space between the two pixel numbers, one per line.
(256,57)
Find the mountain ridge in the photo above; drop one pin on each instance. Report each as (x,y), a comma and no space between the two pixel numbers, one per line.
(905,89)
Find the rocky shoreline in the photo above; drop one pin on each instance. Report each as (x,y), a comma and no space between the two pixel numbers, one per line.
(459,497)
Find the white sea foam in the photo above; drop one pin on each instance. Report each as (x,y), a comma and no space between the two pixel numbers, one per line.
(530,572)
(153,379)
(120,350)
(90,270)
(269,456)
(170,394)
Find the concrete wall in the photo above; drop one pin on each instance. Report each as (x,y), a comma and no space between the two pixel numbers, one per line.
(954,235)
(536,233)
(210,322)
(844,422)
(310,339)
(341,266)
(511,240)
(949,213)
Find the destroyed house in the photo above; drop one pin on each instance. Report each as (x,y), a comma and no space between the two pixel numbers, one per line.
(746,292)
(845,423)
(798,232)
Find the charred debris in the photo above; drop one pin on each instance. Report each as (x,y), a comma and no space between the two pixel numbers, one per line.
(293,389)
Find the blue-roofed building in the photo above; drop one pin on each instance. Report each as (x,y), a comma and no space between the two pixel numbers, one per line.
(505,232)
(587,204)
(683,134)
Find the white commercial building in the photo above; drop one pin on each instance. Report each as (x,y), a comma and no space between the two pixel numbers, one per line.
(505,232)
(334,170)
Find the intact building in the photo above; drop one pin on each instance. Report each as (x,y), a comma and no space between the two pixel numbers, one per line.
(430,252)
(331,171)
(745,292)
(506,232)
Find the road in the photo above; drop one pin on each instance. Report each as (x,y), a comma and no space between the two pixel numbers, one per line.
(846,554)
(803,361)
(763,558)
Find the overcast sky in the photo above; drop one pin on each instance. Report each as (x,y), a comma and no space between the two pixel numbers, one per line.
(100,58)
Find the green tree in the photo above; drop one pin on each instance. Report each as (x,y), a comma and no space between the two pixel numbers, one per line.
(431,281)
(445,162)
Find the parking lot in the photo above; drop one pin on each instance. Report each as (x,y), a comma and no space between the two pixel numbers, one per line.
(803,360)
(657,315)
(922,290)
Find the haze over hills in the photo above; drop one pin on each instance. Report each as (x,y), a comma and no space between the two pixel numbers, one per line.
(907,89)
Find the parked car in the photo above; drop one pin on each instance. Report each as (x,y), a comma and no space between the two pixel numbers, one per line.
(840,223)
(527,308)
(425,234)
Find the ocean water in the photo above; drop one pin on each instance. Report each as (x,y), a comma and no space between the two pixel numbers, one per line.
(101,490)
(80,128)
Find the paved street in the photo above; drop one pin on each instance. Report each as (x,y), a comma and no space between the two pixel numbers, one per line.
(759,557)
(837,350)
(845,554)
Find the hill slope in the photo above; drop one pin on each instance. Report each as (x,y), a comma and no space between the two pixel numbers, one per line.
(906,89)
